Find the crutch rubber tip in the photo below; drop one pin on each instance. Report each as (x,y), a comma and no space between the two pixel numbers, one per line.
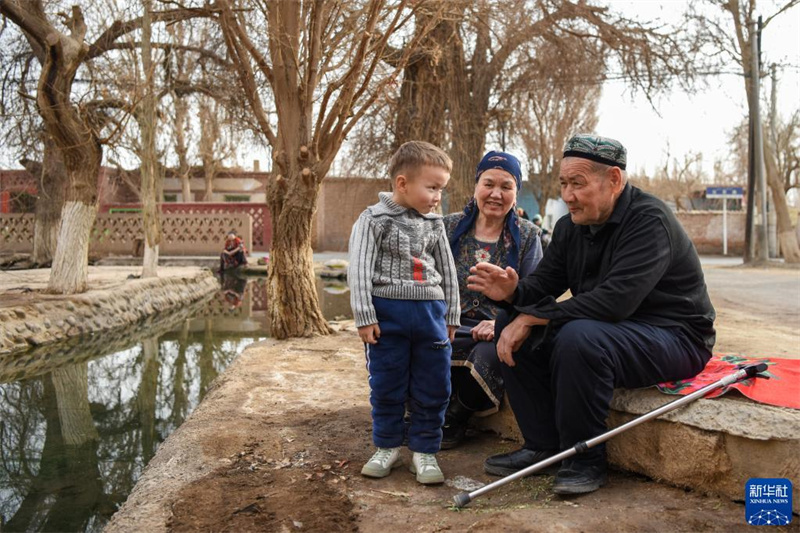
(462,499)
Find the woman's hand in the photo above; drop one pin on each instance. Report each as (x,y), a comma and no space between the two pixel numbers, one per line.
(369,334)
(494,282)
(484,331)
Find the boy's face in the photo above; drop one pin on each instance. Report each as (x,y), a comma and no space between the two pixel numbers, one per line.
(422,190)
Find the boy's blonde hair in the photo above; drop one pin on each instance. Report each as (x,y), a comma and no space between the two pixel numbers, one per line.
(412,155)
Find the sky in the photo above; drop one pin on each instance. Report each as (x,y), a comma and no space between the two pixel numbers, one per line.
(699,122)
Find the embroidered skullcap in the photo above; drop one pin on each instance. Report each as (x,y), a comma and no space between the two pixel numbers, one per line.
(598,149)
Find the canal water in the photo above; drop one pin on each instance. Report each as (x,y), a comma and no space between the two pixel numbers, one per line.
(79,421)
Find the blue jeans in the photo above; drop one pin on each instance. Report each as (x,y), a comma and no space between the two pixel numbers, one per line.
(410,361)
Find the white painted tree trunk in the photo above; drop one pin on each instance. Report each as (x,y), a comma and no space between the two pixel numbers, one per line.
(70,270)
(150,261)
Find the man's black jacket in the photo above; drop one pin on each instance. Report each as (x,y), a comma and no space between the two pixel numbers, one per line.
(639,266)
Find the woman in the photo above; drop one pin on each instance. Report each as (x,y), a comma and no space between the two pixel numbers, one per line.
(488,230)
(233,254)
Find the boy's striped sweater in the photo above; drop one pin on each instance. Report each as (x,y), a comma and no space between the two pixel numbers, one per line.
(400,254)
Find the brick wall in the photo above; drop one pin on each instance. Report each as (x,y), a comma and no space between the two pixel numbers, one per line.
(341,201)
(705,230)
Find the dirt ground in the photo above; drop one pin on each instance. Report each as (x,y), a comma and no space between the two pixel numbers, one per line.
(279,443)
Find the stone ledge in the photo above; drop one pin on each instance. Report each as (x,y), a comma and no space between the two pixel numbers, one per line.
(712,446)
(55,318)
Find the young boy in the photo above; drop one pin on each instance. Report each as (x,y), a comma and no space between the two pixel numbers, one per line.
(404,294)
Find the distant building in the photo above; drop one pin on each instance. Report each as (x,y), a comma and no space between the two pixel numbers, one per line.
(19,189)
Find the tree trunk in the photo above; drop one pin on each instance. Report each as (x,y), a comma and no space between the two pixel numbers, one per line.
(439,81)
(51,183)
(182,151)
(148,157)
(208,180)
(209,132)
(72,394)
(466,152)
(294,303)
(80,149)
(70,270)
(208,372)
(787,238)
(180,396)
(146,397)
(420,113)
(293,300)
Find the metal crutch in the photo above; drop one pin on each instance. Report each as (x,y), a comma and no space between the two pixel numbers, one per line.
(747,371)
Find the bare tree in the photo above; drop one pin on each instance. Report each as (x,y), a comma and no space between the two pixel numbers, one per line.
(785,147)
(49,175)
(191,91)
(24,135)
(76,128)
(555,89)
(676,180)
(316,75)
(152,180)
(737,45)
(476,42)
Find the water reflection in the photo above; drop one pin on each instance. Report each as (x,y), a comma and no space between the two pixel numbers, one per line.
(79,421)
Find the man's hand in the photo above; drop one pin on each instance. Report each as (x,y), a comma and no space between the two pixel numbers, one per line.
(369,334)
(494,282)
(484,331)
(451,332)
(514,334)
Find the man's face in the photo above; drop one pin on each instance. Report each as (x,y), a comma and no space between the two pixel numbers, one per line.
(589,195)
(423,190)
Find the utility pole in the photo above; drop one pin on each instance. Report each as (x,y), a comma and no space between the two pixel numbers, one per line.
(758,145)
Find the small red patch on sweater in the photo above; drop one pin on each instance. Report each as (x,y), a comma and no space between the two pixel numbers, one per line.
(418,269)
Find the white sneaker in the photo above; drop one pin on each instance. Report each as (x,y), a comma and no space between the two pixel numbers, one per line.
(382,462)
(426,468)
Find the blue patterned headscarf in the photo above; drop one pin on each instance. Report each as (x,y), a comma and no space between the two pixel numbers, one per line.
(510,235)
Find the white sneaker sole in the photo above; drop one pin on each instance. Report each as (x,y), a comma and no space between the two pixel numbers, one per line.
(372,471)
(430,478)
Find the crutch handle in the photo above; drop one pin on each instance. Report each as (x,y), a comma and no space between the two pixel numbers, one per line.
(754,369)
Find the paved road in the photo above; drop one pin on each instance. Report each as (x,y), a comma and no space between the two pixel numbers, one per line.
(769,293)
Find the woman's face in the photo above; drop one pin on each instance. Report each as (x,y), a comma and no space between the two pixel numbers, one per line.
(495,193)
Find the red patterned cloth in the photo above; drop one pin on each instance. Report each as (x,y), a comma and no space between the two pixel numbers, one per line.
(781,389)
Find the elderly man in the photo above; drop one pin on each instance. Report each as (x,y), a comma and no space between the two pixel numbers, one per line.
(639,313)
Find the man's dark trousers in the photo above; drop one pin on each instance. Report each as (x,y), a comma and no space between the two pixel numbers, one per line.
(560,390)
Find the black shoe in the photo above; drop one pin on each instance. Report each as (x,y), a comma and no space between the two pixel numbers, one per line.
(509,463)
(453,433)
(580,478)
(455,423)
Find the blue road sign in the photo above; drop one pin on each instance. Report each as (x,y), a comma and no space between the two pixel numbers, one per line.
(724,192)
